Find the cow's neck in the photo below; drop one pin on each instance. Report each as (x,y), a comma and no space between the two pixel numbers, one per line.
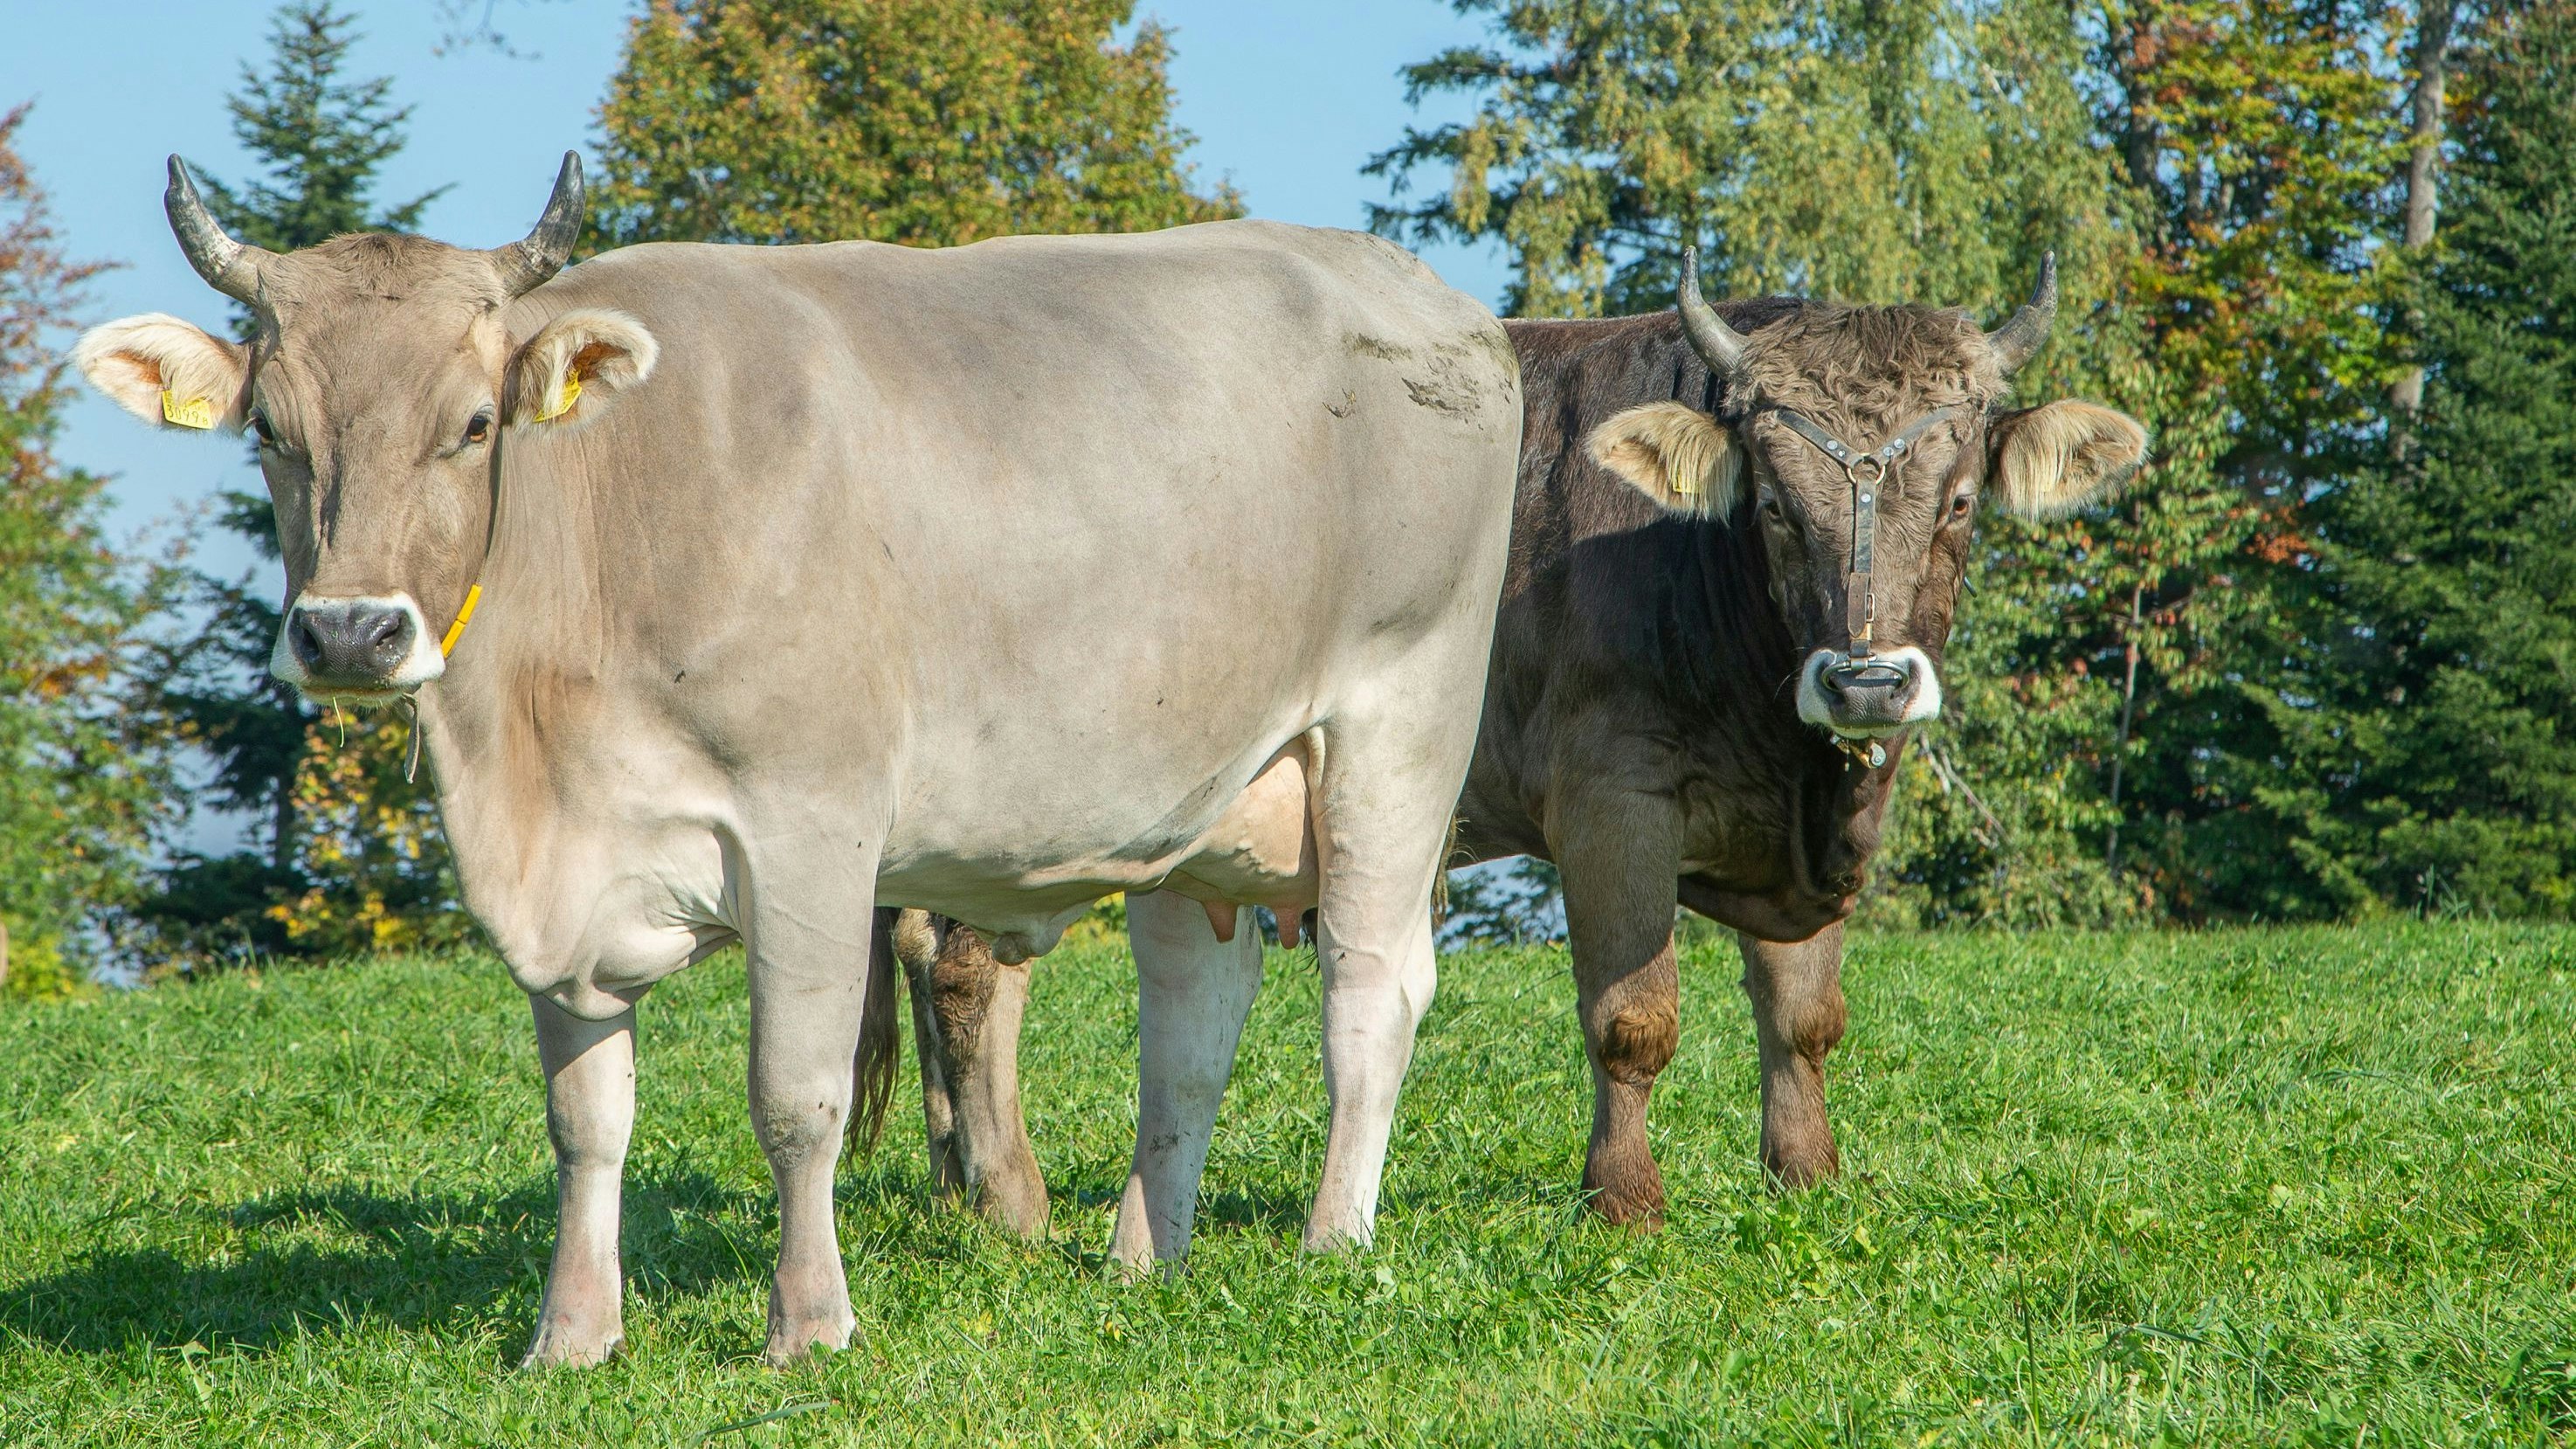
(525,674)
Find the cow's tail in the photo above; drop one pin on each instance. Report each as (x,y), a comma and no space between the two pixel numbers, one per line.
(880,1045)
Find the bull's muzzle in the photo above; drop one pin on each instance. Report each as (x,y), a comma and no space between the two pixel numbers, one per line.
(354,646)
(1868,695)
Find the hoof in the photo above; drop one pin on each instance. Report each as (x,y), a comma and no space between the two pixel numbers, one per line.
(1323,1241)
(1632,1198)
(1796,1173)
(793,1343)
(1016,1207)
(559,1346)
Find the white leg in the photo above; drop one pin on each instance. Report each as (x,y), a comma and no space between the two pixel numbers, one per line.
(590,1113)
(808,952)
(1374,998)
(1192,994)
(1388,790)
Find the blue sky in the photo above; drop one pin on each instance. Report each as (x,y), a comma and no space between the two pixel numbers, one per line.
(1289,98)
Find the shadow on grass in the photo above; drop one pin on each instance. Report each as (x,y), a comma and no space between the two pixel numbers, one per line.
(332,1258)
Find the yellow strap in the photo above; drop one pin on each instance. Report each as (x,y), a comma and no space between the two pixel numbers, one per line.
(196,412)
(456,630)
(564,400)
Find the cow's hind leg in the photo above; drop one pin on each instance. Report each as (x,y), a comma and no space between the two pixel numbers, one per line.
(1797,994)
(590,1113)
(1617,854)
(1192,994)
(808,952)
(967,1009)
(1382,817)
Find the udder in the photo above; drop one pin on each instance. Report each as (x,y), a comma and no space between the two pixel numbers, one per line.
(1261,851)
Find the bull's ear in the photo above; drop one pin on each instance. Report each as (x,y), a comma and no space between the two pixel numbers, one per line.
(1679,456)
(2052,460)
(167,372)
(574,368)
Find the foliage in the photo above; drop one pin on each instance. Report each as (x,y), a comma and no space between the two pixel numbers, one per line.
(353,857)
(2227,1188)
(927,122)
(85,775)
(2437,769)
(1516,902)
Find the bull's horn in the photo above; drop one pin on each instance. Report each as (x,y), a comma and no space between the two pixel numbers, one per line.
(1717,344)
(2020,339)
(531,262)
(230,267)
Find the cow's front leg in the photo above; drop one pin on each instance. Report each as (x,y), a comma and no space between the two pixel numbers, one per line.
(808,994)
(1797,994)
(1617,853)
(590,1113)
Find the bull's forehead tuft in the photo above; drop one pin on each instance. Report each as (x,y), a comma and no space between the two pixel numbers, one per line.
(1871,366)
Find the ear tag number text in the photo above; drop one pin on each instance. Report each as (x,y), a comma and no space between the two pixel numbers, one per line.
(196,412)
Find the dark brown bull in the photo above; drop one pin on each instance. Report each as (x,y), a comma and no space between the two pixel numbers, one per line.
(1737,541)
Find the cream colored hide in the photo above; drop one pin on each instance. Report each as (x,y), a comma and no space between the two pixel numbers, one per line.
(988,580)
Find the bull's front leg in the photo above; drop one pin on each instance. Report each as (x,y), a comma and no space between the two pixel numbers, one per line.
(1797,994)
(590,1113)
(967,1010)
(808,997)
(1617,853)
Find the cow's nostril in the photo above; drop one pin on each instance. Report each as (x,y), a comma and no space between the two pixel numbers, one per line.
(381,631)
(305,639)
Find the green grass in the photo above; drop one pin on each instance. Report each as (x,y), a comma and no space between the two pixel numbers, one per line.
(2243,1188)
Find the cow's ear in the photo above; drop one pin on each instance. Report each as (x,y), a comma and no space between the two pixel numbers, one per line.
(1679,456)
(167,372)
(575,366)
(2053,460)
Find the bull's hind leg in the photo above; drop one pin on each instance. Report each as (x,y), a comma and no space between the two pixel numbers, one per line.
(808,953)
(1617,854)
(590,1113)
(1797,994)
(1192,994)
(966,1014)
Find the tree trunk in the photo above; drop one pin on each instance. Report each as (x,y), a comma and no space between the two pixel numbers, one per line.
(4,953)
(2128,716)
(2423,166)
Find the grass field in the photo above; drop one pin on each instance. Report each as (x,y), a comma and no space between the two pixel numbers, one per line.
(2272,1187)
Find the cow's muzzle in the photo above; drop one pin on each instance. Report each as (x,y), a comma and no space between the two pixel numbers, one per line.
(1869,695)
(362,647)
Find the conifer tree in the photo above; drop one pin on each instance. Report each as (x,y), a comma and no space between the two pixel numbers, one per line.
(2436,769)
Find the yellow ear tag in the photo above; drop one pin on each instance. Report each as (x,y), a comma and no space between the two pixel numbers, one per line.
(564,400)
(196,412)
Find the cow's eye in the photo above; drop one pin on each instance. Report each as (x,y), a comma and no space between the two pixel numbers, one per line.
(479,430)
(1960,505)
(259,425)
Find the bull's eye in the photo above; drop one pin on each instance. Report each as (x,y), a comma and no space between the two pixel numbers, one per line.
(479,430)
(259,425)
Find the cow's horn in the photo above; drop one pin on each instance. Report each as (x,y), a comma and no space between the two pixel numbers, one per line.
(2020,339)
(1717,344)
(530,263)
(230,267)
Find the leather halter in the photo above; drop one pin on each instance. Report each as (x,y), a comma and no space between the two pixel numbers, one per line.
(1868,473)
